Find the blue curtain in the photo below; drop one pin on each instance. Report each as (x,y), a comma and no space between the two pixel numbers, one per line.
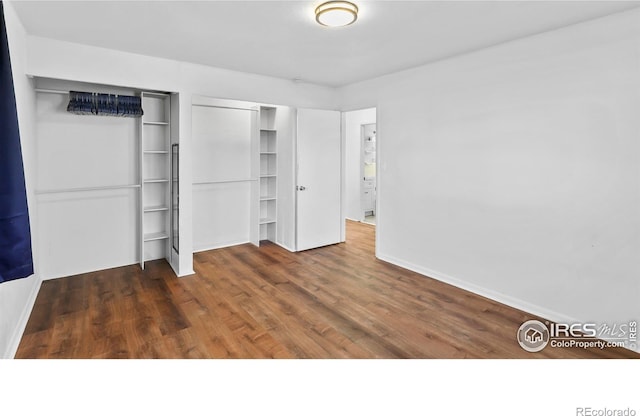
(15,236)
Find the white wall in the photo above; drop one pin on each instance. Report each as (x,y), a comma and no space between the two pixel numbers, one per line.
(17,297)
(515,171)
(285,124)
(351,124)
(64,60)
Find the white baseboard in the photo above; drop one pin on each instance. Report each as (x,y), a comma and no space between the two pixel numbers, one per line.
(24,319)
(285,247)
(177,272)
(217,246)
(482,291)
(516,303)
(187,273)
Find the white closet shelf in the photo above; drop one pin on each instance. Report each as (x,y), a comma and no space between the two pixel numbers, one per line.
(267,198)
(268,130)
(156,94)
(268,153)
(154,149)
(268,176)
(267,220)
(156,208)
(48,91)
(156,236)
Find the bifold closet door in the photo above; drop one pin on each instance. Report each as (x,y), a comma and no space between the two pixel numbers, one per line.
(86,189)
(224,141)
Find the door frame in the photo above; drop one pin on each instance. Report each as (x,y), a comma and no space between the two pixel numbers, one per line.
(378,171)
(362,157)
(343,141)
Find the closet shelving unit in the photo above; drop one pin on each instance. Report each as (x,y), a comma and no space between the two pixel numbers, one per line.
(268,174)
(155,168)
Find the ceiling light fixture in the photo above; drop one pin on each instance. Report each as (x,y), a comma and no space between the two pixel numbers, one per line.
(336,13)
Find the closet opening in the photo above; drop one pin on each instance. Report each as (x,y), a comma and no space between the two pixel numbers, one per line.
(106,179)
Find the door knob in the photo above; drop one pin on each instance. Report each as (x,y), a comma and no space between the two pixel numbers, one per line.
(300,188)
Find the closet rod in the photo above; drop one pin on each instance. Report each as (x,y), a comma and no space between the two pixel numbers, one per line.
(225,107)
(93,188)
(51,91)
(157,94)
(229,181)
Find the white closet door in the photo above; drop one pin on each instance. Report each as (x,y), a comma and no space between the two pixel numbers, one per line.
(318,178)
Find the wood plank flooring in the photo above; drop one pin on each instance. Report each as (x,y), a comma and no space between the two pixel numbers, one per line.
(247,302)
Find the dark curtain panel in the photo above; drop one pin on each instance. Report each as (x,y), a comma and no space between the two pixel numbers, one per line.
(15,236)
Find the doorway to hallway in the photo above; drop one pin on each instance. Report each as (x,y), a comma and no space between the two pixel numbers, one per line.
(368,189)
(360,167)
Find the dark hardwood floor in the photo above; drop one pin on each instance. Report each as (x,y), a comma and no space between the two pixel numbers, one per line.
(247,302)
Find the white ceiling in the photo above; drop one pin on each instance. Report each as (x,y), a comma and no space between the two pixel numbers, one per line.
(282,39)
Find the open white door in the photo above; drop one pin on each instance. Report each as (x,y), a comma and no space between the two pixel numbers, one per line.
(318,183)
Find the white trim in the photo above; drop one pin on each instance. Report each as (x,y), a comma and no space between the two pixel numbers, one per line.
(188,273)
(238,244)
(285,247)
(343,177)
(482,291)
(24,319)
(223,245)
(379,175)
(516,303)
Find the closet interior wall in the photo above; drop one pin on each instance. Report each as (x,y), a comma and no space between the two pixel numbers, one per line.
(225,176)
(89,178)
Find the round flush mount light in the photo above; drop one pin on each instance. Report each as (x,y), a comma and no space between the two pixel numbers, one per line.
(336,13)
